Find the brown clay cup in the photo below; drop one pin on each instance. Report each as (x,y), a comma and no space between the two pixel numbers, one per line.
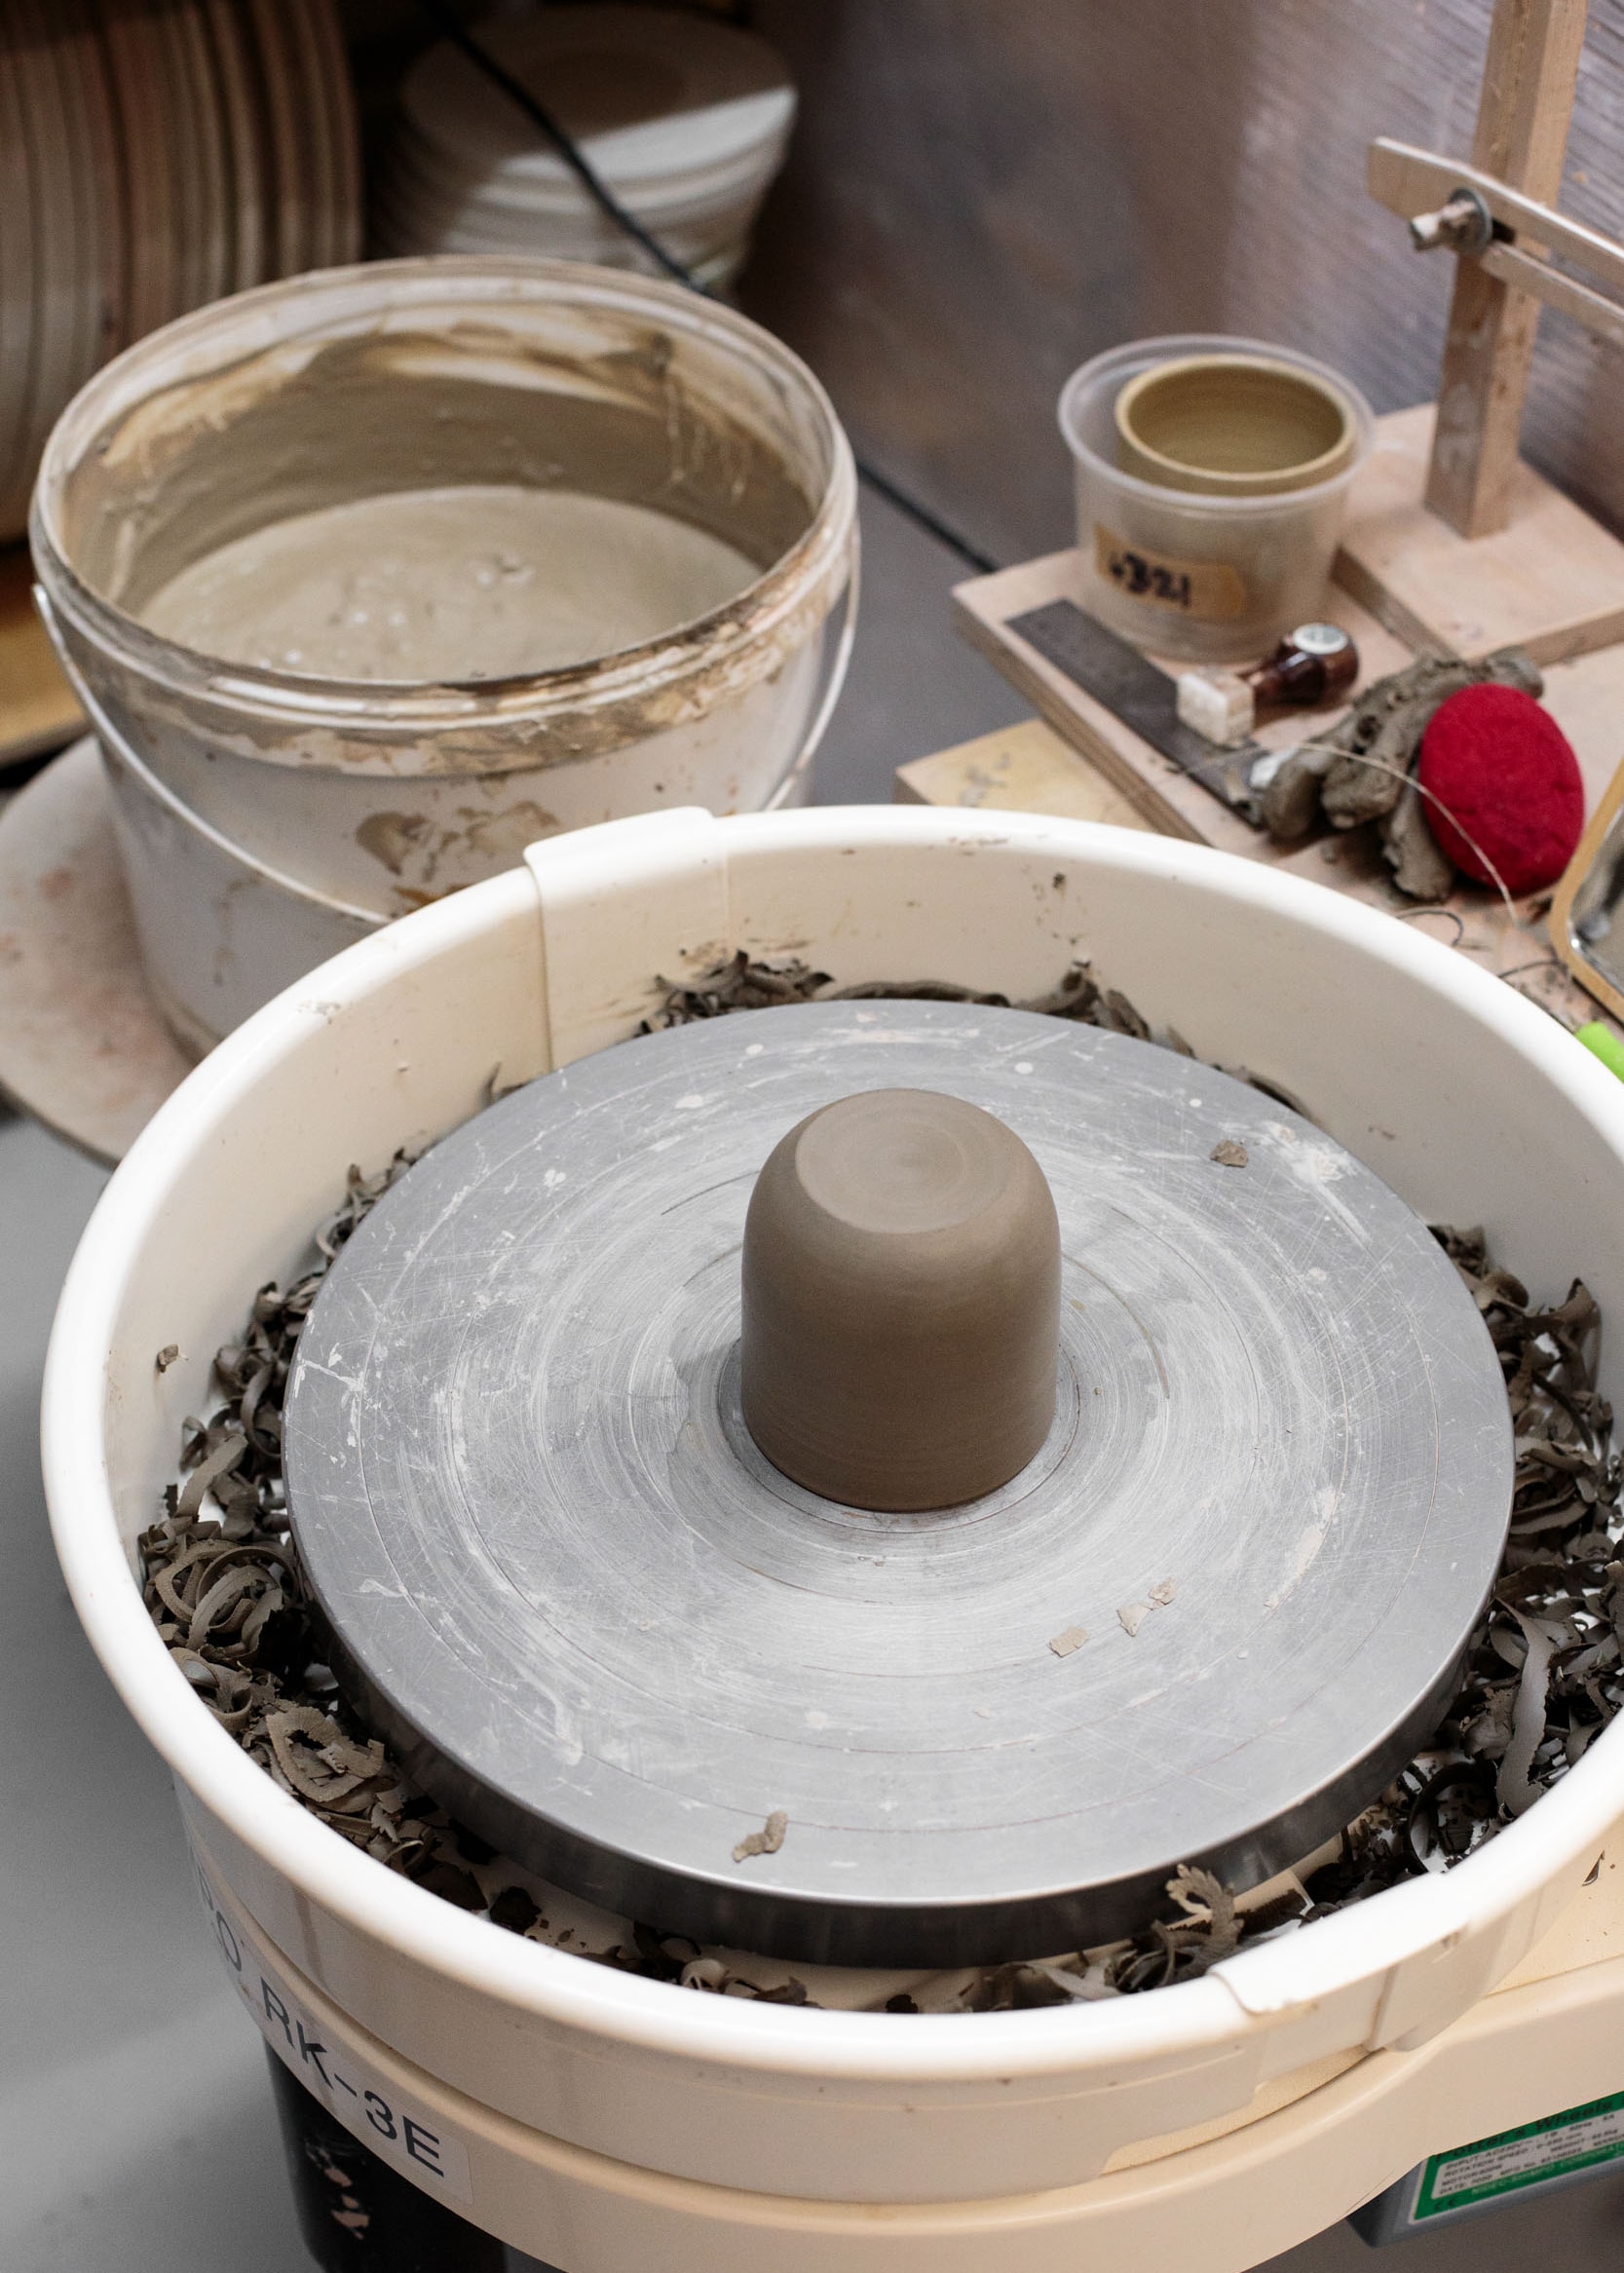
(902,1314)
(1233,426)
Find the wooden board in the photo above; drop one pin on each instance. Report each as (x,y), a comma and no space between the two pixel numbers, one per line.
(1529,84)
(1586,697)
(1550,581)
(1093,760)
(1020,768)
(37,709)
(1165,795)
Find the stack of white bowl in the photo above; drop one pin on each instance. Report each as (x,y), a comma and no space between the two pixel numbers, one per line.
(685,120)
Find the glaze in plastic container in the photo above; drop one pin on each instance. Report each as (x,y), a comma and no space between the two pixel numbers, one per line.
(1181,574)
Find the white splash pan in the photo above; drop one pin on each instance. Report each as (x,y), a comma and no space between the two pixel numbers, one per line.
(619,2122)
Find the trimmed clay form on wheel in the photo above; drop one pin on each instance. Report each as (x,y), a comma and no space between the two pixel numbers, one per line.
(901,1303)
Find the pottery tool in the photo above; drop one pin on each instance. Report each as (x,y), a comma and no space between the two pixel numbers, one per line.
(1315,663)
(537,1471)
(1504,795)
(1142,697)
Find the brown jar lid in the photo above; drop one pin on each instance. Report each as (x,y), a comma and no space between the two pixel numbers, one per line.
(901,1293)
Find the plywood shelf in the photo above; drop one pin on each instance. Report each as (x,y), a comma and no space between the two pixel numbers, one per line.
(1550,581)
(1086,760)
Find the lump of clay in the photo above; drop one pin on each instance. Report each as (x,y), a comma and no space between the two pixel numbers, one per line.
(1291,802)
(901,1303)
(1409,849)
(1382,732)
(1505,798)
(1360,771)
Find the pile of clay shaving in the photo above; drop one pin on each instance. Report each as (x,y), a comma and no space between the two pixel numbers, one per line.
(1544,1671)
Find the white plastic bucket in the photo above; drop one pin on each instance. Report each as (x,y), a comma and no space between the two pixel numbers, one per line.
(220,932)
(606,2121)
(378,795)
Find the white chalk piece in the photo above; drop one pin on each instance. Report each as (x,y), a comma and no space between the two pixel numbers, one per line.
(1218,704)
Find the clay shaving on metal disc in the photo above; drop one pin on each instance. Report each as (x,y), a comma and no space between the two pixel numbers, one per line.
(1543,1672)
(766,1842)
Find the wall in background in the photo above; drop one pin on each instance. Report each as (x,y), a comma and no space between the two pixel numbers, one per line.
(985,191)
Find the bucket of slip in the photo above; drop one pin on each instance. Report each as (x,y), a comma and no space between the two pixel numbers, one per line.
(388,572)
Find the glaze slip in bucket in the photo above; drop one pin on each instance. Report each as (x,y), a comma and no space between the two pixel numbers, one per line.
(385,572)
(605,2123)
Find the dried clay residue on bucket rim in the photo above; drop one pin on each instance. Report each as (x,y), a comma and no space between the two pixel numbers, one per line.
(142,482)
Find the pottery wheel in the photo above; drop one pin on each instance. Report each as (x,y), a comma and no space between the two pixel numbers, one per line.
(613,1639)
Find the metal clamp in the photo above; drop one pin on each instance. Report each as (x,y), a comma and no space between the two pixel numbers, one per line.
(1462,224)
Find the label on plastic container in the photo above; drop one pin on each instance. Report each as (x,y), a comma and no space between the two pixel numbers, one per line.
(1535,2154)
(1211,592)
(406,2136)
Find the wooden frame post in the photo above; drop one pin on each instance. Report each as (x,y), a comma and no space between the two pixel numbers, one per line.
(1529,84)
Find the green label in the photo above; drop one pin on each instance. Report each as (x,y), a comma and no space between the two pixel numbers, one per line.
(1577,2140)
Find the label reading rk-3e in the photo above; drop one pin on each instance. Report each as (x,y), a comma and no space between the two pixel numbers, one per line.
(370,2104)
(1577,2140)
(1213,591)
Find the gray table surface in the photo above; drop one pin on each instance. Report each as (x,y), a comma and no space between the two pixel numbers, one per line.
(136,2132)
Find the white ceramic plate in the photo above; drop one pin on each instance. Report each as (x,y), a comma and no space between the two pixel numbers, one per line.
(188,191)
(45,135)
(332,66)
(647,91)
(302,82)
(106,175)
(70,30)
(212,222)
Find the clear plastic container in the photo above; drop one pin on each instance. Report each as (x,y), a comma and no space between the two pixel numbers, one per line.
(1197,577)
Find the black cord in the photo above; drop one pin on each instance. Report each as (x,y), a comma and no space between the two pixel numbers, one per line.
(576,159)
(932,523)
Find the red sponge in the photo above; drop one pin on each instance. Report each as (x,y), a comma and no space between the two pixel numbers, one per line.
(1505,773)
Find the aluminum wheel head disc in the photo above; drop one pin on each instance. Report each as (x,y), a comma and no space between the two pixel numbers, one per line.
(606,1634)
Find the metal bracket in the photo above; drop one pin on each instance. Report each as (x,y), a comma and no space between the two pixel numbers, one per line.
(1464,224)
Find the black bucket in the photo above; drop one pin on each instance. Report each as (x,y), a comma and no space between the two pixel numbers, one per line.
(359,2215)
